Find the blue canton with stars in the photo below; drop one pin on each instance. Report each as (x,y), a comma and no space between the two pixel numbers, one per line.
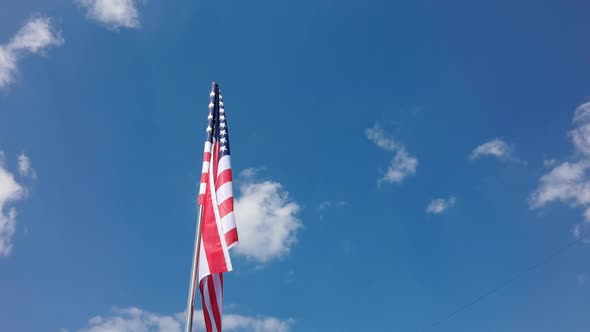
(217,123)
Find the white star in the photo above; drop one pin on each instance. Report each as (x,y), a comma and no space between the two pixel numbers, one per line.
(209,129)
(223,140)
(210,105)
(223,132)
(222,110)
(212,93)
(222,125)
(210,116)
(223,148)
(222,117)
(221,103)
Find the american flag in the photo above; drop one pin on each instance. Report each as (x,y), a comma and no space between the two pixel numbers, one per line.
(218,224)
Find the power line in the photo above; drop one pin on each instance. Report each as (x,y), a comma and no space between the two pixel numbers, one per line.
(515,277)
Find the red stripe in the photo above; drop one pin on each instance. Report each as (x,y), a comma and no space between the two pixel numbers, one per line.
(231,237)
(214,304)
(204,177)
(206,156)
(223,178)
(226,207)
(208,326)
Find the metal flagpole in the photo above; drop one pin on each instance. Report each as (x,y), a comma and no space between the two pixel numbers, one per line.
(190,305)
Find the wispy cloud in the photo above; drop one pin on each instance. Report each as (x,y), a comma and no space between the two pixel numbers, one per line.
(494,148)
(36,36)
(402,165)
(329,204)
(113,14)
(549,162)
(25,167)
(440,205)
(268,219)
(568,182)
(581,277)
(10,191)
(138,320)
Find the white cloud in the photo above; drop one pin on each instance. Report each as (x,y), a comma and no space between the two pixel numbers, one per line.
(440,205)
(114,14)
(7,66)
(568,182)
(576,232)
(378,136)
(402,165)
(549,162)
(329,204)
(34,37)
(138,320)
(581,133)
(133,320)
(267,219)
(495,148)
(234,322)
(25,167)
(10,191)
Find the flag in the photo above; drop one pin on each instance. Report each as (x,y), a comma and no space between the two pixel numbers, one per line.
(218,224)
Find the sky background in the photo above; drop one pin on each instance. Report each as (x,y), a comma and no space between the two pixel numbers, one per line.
(394,160)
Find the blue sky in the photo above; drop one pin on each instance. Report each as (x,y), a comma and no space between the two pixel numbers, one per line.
(397,160)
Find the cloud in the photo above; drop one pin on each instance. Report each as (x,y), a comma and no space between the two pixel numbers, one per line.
(113,14)
(10,191)
(138,320)
(328,205)
(568,182)
(378,136)
(495,148)
(25,167)
(549,162)
(577,231)
(402,165)
(581,277)
(440,205)
(34,37)
(267,219)
(257,324)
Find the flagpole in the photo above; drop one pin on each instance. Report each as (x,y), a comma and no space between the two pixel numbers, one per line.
(190,305)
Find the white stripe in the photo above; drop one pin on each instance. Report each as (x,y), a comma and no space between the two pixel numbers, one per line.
(202,188)
(224,192)
(218,222)
(224,163)
(228,222)
(205,167)
(207,147)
